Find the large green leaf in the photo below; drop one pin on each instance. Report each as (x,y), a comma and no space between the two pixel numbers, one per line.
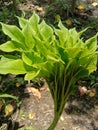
(92,63)
(92,67)
(80,44)
(72,38)
(22,22)
(32,75)
(46,31)
(62,27)
(63,54)
(74,34)
(13,66)
(32,59)
(11,46)
(72,52)
(34,20)
(29,36)
(62,34)
(13,32)
(92,43)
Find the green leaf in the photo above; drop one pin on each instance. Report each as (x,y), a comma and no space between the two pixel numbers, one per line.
(13,32)
(29,36)
(32,75)
(11,46)
(63,54)
(8,96)
(34,20)
(7,57)
(81,32)
(80,44)
(92,43)
(73,52)
(62,35)
(52,58)
(82,72)
(73,38)
(46,31)
(62,27)
(32,58)
(22,22)
(28,58)
(13,66)
(92,63)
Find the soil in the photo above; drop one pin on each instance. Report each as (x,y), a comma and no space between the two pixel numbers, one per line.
(80,113)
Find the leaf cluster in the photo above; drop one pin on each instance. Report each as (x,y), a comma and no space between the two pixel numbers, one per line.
(41,47)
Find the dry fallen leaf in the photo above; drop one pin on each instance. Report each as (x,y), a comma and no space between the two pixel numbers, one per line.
(32,115)
(80,7)
(68,22)
(9,110)
(40,9)
(18,84)
(92,94)
(83,90)
(34,91)
(97,110)
(94,3)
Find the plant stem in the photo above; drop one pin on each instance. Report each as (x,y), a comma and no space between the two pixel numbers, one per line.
(55,121)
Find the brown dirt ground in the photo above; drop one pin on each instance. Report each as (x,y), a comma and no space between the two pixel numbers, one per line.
(81,113)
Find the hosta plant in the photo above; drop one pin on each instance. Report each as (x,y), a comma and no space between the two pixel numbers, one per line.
(57,54)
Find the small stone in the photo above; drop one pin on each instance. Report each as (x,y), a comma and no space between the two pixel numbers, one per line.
(62,118)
